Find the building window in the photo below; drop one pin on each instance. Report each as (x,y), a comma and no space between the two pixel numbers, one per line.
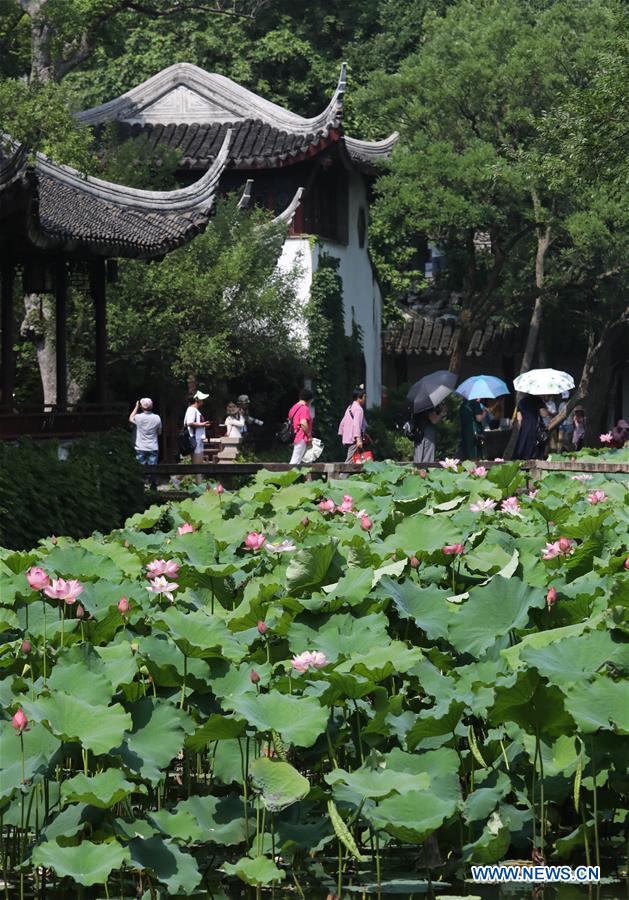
(362,226)
(325,205)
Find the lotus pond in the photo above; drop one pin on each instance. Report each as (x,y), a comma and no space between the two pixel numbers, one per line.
(320,688)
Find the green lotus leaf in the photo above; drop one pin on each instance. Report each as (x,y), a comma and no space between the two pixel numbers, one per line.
(524,698)
(87,863)
(82,680)
(353,587)
(158,733)
(220,819)
(599,704)
(540,639)
(491,612)
(71,820)
(259,871)
(179,825)
(98,728)
(492,845)
(378,783)
(381,662)
(299,720)
(484,800)
(312,567)
(413,816)
(102,790)
(572,659)
(421,533)
(429,725)
(279,783)
(119,663)
(76,562)
(217,728)
(427,606)
(127,562)
(440,765)
(165,662)
(199,634)
(340,634)
(177,870)
(40,747)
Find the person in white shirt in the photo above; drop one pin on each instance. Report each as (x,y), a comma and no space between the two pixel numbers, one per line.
(235,422)
(196,425)
(148,427)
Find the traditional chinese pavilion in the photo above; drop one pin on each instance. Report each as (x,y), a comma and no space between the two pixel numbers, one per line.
(190,111)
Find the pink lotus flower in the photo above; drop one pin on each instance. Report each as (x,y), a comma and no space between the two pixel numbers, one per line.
(583,477)
(163,567)
(327,506)
(161,586)
(365,523)
(26,646)
(449,463)
(453,549)
(80,612)
(565,544)
(533,494)
(627,563)
(37,578)
(347,505)
(219,489)
(19,721)
(60,589)
(483,506)
(499,459)
(255,678)
(423,473)
(305,521)
(551,597)
(262,627)
(414,562)
(123,606)
(606,438)
(510,505)
(186,528)
(281,547)
(595,497)
(303,661)
(562,547)
(479,471)
(254,540)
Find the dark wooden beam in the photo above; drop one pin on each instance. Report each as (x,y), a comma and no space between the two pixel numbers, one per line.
(7,322)
(61,334)
(98,291)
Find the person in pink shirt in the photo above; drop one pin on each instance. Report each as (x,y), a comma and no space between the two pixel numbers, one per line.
(353,424)
(301,417)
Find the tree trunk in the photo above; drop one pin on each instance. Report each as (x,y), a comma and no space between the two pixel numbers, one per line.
(461,343)
(38,326)
(535,324)
(42,66)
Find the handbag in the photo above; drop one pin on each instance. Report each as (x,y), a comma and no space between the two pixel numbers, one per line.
(362,456)
(313,452)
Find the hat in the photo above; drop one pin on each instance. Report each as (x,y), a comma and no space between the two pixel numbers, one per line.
(243,398)
(199,395)
(146,403)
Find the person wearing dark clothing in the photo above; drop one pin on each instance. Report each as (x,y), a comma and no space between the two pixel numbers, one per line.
(471,422)
(425,434)
(530,413)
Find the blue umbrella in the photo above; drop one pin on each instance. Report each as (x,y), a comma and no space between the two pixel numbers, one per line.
(482,386)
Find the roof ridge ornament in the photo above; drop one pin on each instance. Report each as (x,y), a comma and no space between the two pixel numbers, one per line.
(287,215)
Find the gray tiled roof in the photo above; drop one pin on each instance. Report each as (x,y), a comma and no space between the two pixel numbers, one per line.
(435,335)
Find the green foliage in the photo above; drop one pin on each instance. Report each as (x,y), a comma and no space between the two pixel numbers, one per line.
(135,162)
(96,488)
(450,696)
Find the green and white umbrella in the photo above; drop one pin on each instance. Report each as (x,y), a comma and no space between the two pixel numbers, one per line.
(543,381)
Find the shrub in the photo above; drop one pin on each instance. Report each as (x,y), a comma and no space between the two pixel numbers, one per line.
(95,488)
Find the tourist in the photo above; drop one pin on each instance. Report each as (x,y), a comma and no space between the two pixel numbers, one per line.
(424,434)
(566,428)
(148,427)
(244,404)
(578,427)
(471,414)
(235,421)
(196,425)
(532,435)
(300,416)
(353,424)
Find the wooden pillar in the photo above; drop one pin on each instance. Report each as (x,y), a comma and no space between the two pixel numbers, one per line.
(8,358)
(98,292)
(61,334)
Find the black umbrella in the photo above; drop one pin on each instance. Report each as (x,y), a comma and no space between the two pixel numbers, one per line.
(431,390)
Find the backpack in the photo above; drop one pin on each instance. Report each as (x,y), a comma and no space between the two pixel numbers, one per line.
(412,429)
(184,441)
(286,434)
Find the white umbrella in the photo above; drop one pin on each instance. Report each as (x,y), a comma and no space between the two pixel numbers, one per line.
(543,381)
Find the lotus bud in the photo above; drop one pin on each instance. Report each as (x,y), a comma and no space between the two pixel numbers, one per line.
(627,563)
(414,562)
(564,544)
(123,606)
(26,646)
(53,538)
(19,721)
(219,489)
(365,523)
(306,522)
(255,678)
(37,578)
(80,612)
(262,627)
(551,597)
(423,473)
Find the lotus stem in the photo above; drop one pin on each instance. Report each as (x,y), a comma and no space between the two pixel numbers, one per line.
(586,842)
(360,740)
(339,877)
(597,847)
(183,684)
(244,770)
(378,872)
(44,610)
(63,617)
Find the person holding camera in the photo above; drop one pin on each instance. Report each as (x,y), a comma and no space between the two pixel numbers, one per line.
(148,427)
(244,404)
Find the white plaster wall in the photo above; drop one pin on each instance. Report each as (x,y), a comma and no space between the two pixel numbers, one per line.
(297,256)
(362,300)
